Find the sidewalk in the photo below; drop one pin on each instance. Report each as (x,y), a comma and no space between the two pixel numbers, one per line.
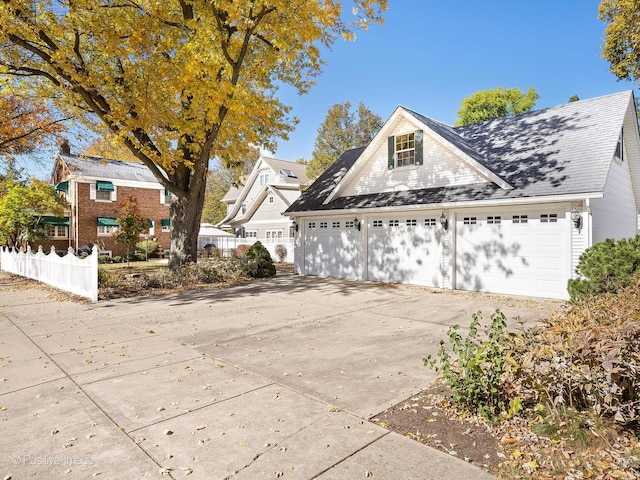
(269,380)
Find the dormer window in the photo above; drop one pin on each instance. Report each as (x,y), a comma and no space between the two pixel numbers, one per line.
(619,155)
(288,173)
(405,150)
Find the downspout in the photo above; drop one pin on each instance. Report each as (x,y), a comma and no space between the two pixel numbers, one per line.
(75,223)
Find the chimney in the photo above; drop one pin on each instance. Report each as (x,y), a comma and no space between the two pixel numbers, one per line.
(65,148)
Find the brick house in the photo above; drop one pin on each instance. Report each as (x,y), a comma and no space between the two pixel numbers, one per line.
(94,187)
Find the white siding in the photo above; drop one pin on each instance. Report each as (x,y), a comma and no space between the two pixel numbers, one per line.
(270,211)
(441,167)
(256,189)
(615,215)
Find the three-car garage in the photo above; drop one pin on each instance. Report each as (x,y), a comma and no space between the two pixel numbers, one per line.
(510,251)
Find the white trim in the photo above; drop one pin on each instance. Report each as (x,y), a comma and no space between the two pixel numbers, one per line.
(117,181)
(451,205)
(386,131)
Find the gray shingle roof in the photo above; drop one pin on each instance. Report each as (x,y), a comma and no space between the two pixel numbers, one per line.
(108,169)
(560,150)
(298,169)
(318,191)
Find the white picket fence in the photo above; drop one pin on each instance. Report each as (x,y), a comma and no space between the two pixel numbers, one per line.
(73,274)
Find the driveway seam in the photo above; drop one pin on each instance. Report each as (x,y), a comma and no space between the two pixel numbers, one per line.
(79,387)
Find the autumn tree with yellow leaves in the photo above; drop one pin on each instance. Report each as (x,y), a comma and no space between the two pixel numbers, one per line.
(26,124)
(178,82)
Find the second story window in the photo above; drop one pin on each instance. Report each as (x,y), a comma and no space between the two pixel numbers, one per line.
(102,191)
(264,179)
(406,149)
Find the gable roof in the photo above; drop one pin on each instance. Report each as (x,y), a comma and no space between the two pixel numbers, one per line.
(564,150)
(288,182)
(298,169)
(106,168)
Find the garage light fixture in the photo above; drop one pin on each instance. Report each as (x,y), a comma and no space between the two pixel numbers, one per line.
(444,221)
(577,218)
(356,223)
(295,225)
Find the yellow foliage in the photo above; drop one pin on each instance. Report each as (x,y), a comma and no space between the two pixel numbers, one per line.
(177,82)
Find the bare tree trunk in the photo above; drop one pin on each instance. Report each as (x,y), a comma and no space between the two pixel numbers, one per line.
(186,212)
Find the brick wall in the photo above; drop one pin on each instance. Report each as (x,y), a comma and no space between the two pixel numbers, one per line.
(149,206)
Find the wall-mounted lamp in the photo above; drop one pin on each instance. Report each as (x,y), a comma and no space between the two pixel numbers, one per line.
(577,218)
(444,221)
(295,225)
(356,223)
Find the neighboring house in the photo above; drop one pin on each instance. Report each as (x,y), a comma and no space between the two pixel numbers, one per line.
(505,206)
(93,187)
(254,212)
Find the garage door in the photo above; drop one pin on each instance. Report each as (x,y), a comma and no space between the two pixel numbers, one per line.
(521,254)
(333,248)
(405,250)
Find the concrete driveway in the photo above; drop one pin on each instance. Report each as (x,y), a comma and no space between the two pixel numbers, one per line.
(274,379)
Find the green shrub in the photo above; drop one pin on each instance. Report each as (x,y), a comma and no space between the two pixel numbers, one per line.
(104,259)
(259,263)
(473,367)
(152,245)
(117,259)
(605,267)
(105,277)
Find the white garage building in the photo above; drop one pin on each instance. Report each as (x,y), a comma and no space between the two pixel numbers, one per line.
(505,206)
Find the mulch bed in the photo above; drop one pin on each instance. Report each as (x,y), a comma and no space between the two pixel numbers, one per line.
(428,419)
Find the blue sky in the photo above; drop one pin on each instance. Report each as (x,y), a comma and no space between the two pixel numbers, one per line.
(430,54)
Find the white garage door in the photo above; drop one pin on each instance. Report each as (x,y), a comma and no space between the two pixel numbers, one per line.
(405,250)
(333,248)
(521,254)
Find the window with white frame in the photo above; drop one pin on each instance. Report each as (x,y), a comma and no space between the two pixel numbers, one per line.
(55,232)
(549,218)
(494,220)
(264,179)
(103,195)
(251,234)
(168,197)
(412,222)
(349,224)
(377,223)
(270,198)
(394,223)
(166,224)
(323,224)
(273,236)
(470,220)
(312,225)
(405,150)
(335,224)
(520,219)
(107,229)
(430,222)
(102,191)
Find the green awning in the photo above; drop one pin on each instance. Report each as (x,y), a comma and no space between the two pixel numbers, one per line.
(107,222)
(167,193)
(62,186)
(103,186)
(150,222)
(57,221)
(165,222)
